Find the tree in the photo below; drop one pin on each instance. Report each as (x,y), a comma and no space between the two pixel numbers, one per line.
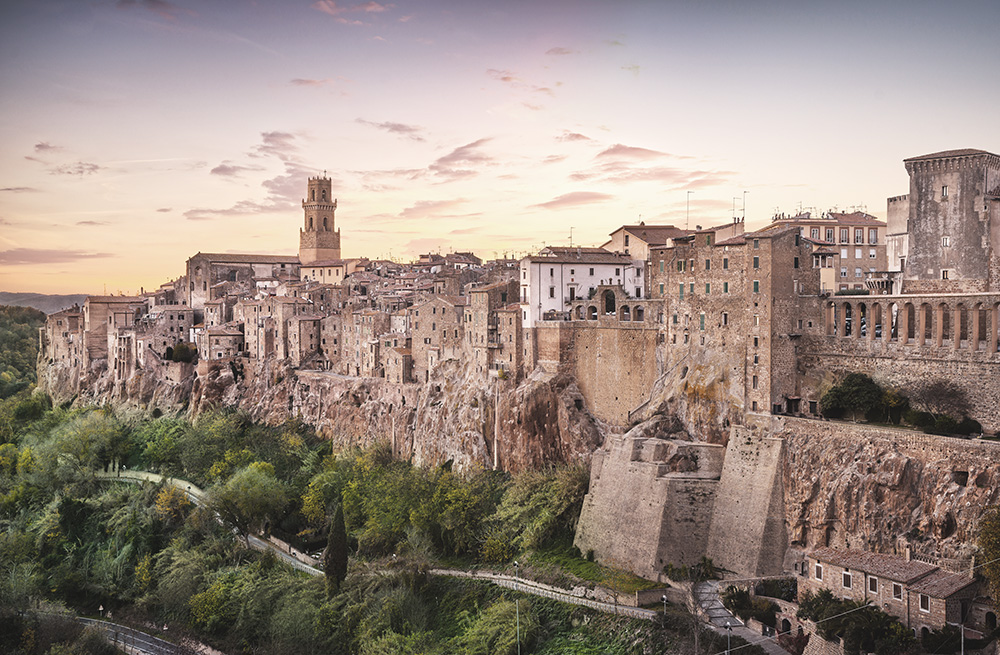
(335,555)
(250,498)
(856,393)
(988,541)
(943,397)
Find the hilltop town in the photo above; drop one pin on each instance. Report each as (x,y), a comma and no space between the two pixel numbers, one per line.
(686,365)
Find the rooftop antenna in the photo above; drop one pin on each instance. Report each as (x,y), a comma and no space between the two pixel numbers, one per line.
(734,207)
(745,205)
(570,236)
(687,215)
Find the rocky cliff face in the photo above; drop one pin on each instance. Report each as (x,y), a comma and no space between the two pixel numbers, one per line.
(454,416)
(885,490)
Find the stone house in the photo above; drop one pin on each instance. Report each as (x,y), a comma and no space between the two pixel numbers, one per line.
(303,338)
(484,346)
(398,364)
(205,270)
(437,330)
(922,596)
(220,343)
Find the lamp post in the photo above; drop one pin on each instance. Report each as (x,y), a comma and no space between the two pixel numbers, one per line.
(729,637)
(517,609)
(664,599)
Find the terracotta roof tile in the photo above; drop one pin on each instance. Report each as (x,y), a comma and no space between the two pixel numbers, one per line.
(880,565)
(941,584)
(944,154)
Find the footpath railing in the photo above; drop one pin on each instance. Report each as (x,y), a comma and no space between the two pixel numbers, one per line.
(539,589)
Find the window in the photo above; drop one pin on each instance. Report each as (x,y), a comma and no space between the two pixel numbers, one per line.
(691,265)
(843,271)
(701,321)
(756,262)
(756,359)
(552,292)
(944,192)
(626,239)
(756,244)
(829,234)
(725,263)
(859,235)
(873,235)
(756,341)
(708,288)
(572,271)
(661,265)
(843,253)
(708,264)
(944,273)
(725,318)
(725,287)
(754,381)
(756,286)
(638,292)
(814,233)
(897,591)
(945,242)
(661,289)
(871,253)
(857,271)
(925,603)
(857,253)
(638,272)
(753,406)
(591,271)
(618,271)
(873,585)
(682,291)
(847,580)
(692,288)
(845,235)
(756,321)
(676,319)
(795,262)
(819,571)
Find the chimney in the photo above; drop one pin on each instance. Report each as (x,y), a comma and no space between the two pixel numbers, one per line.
(909,553)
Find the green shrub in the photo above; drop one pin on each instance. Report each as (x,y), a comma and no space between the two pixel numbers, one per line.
(918,419)
(943,425)
(969,426)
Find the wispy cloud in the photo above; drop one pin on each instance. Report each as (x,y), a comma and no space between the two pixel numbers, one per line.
(80,168)
(305,81)
(165,210)
(226,169)
(632,68)
(572,136)
(508,77)
(560,51)
(574,199)
(161,8)
(331,8)
(431,208)
(275,144)
(44,146)
(399,129)
(21,256)
(19,189)
(630,152)
(457,163)
(92,223)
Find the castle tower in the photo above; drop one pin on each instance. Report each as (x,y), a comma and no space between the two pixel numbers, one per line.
(318,240)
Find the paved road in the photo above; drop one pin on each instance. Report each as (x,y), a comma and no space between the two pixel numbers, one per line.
(707,596)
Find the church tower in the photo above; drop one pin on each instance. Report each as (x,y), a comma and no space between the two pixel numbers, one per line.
(318,240)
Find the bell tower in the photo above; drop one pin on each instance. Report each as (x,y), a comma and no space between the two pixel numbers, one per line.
(318,240)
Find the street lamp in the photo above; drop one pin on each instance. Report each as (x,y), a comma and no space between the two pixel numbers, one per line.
(664,599)
(729,637)
(517,609)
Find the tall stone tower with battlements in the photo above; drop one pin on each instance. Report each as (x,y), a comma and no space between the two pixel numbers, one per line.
(318,240)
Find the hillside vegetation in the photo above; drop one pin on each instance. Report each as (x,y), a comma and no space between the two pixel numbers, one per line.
(18,347)
(146,553)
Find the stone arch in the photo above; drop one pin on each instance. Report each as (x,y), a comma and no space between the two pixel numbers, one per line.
(311,218)
(911,321)
(927,321)
(862,320)
(326,228)
(640,314)
(848,318)
(876,321)
(625,313)
(786,626)
(831,319)
(944,327)
(962,331)
(991,621)
(980,325)
(609,302)
(580,312)
(592,313)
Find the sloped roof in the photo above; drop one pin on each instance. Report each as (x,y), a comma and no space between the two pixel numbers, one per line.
(941,584)
(237,258)
(880,565)
(654,234)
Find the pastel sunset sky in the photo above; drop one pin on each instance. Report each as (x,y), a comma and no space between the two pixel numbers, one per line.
(135,133)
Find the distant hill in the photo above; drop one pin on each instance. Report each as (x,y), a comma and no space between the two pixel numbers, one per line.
(41,301)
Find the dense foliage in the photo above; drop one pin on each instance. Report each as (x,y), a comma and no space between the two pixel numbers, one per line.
(988,540)
(863,628)
(71,538)
(858,396)
(18,347)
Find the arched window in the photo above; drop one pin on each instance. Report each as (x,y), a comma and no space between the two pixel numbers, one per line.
(324,194)
(592,313)
(325,226)
(310,222)
(312,194)
(609,302)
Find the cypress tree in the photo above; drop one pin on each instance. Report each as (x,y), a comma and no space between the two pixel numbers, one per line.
(335,556)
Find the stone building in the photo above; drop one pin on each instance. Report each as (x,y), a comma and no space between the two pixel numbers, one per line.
(556,276)
(490,345)
(244,274)
(319,240)
(221,342)
(951,241)
(922,596)
(437,330)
